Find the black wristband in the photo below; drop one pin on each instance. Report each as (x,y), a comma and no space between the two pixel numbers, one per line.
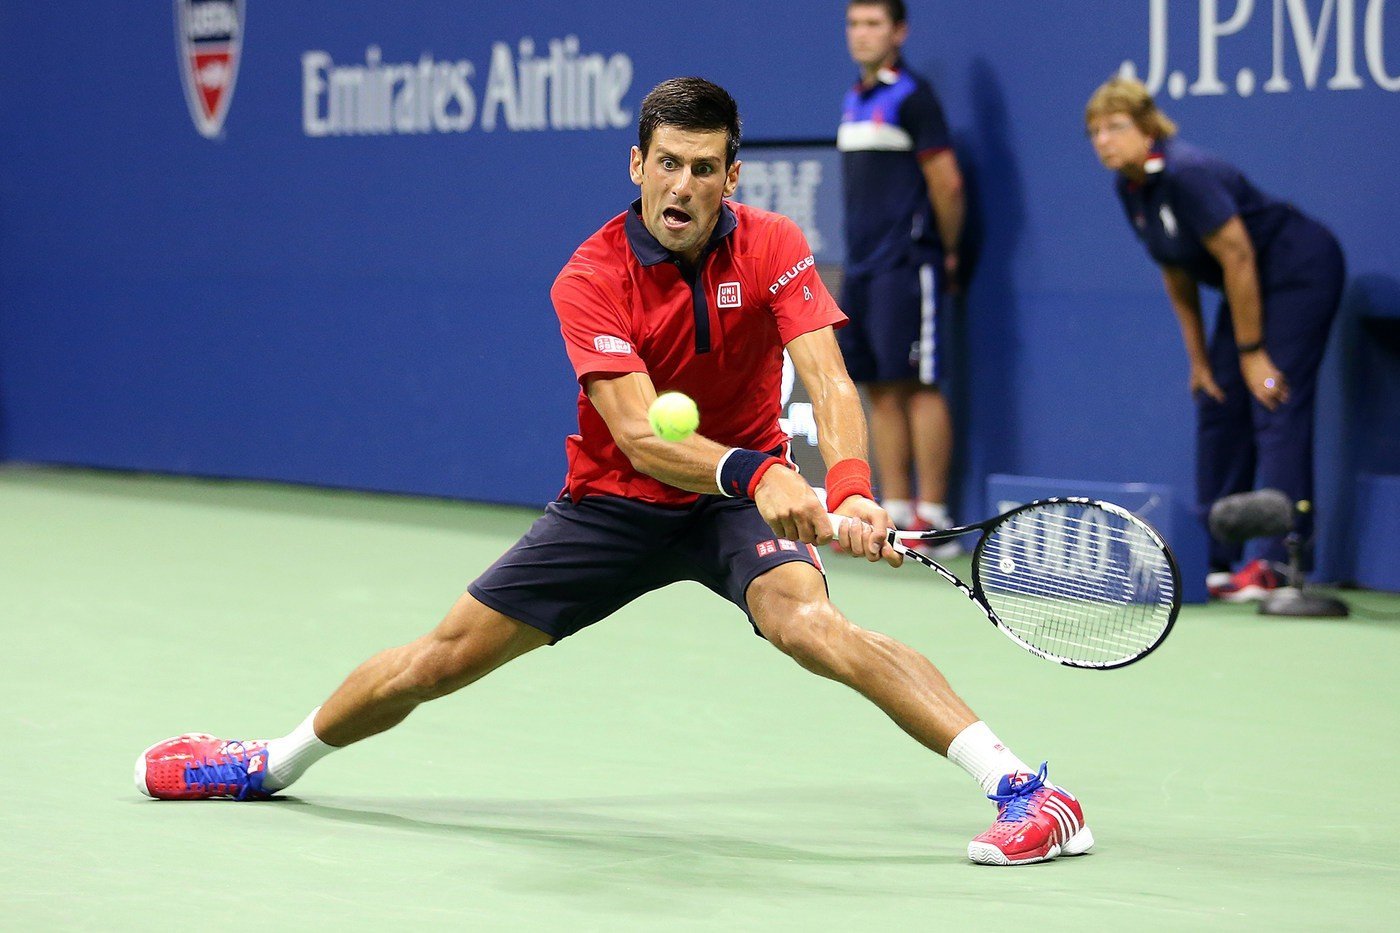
(739,469)
(1249,347)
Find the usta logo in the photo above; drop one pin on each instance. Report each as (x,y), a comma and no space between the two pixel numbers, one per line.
(209,42)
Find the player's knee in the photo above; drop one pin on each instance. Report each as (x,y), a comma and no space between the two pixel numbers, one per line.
(811,634)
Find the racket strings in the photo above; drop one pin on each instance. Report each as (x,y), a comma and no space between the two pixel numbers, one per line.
(1078,582)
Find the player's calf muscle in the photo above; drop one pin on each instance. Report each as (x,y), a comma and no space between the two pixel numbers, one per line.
(456,655)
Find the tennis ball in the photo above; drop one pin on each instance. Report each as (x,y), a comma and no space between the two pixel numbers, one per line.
(673,416)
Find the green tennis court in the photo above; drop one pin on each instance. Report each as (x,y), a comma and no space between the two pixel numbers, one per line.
(664,770)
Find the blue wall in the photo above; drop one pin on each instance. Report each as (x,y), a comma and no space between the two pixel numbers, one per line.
(371,310)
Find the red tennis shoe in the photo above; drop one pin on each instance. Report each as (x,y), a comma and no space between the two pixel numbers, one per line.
(1035,823)
(1250,583)
(938,550)
(196,766)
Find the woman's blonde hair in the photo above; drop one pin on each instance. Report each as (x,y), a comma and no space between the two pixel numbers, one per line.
(1129,95)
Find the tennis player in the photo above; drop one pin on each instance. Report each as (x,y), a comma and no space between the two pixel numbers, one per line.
(683,291)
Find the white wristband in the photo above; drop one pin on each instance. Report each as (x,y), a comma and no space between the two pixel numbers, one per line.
(720,466)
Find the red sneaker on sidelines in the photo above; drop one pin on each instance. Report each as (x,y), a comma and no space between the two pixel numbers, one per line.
(938,550)
(196,766)
(1036,822)
(1248,584)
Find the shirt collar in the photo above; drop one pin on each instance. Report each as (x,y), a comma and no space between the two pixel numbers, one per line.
(649,250)
(1155,165)
(885,76)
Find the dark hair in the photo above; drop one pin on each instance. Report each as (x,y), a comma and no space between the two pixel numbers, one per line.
(895,8)
(690,104)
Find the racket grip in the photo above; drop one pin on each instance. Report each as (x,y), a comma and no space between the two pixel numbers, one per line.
(894,536)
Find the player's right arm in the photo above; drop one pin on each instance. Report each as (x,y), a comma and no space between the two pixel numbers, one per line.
(623,401)
(598,335)
(1185,296)
(787,502)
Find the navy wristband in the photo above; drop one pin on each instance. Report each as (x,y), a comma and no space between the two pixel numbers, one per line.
(739,468)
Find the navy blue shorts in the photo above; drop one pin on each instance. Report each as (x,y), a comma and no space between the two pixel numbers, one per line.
(893,333)
(581,562)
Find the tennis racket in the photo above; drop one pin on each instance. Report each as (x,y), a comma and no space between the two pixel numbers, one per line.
(1077,581)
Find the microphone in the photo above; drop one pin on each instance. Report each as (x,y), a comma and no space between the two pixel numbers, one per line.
(1268,513)
(1264,513)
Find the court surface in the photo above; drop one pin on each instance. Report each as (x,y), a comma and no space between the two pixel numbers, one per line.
(665,770)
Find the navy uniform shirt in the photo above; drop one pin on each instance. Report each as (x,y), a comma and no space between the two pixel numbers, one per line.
(886,131)
(1188,195)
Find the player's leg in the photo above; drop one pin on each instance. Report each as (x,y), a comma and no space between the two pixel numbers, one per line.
(1036,821)
(574,566)
(468,644)
(791,610)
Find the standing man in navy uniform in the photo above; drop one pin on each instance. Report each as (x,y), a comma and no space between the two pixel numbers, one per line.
(904,219)
(1281,274)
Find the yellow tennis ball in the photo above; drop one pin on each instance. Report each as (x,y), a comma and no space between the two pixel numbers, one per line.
(673,416)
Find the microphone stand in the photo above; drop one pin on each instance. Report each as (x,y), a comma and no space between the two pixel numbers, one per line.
(1293,600)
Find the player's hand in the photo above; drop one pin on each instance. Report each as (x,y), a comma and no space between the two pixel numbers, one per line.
(1266,381)
(791,508)
(1203,380)
(865,531)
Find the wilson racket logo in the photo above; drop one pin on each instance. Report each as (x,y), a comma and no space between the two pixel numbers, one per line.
(209,42)
(1113,556)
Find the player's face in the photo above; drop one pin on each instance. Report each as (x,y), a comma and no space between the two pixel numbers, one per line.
(1119,143)
(872,37)
(683,181)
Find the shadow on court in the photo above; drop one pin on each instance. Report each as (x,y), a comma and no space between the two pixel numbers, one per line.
(576,826)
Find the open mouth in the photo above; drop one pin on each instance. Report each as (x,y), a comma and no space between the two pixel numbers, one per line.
(674,218)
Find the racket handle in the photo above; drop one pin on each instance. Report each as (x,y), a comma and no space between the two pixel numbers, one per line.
(894,536)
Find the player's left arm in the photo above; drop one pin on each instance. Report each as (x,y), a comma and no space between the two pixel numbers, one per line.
(841,437)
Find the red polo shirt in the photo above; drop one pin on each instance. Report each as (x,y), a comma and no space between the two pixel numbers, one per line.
(626,305)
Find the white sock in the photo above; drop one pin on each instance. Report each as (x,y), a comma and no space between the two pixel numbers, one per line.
(290,756)
(901,511)
(935,513)
(980,753)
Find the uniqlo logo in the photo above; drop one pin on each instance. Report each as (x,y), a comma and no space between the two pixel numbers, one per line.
(728,296)
(787,545)
(765,548)
(610,344)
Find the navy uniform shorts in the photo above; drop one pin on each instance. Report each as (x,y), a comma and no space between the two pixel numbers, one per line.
(893,333)
(581,562)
